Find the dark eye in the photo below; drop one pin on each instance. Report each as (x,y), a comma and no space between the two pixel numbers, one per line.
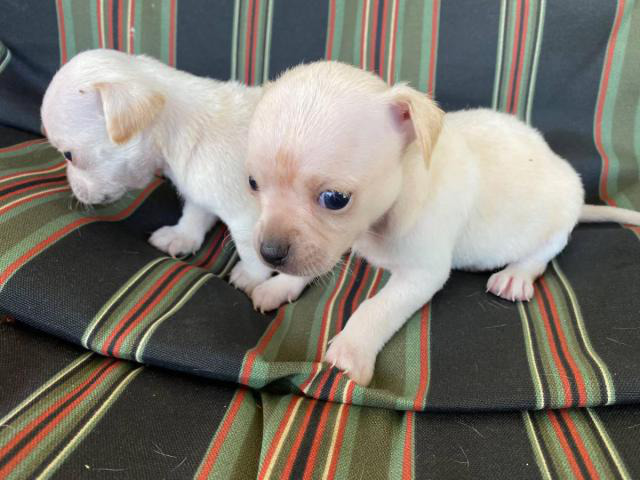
(334,200)
(68,156)
(253,184)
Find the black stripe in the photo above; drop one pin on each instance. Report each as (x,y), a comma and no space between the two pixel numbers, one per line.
(156,292)
(41,181)
(348,304)
(572,445)
(122,298)
(49,418)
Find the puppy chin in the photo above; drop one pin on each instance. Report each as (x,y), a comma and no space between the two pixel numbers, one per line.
(306,268)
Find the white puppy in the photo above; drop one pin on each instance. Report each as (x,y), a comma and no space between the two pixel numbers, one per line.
(341,160)
(119,119)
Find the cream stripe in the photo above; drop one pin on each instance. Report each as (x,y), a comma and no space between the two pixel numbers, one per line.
(283,437)
(102,27)
(332,446)
(176,307)
(542,464)
(4,420)
(123,290)
(392,43)
(313,377)
(536,56)
(610,446)
(267,43)
(234,41)
(129,25)
(363,53)
(531,356)
(51,190)
(6,61)
(333,301)
(499,54)
(611,394)
(55,463)
(55,168)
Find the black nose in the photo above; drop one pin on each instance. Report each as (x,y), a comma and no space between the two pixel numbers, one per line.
(274,252)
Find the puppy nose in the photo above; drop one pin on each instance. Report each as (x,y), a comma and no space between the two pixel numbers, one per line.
(274,252)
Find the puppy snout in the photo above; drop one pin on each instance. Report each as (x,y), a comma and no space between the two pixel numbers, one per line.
(274,251)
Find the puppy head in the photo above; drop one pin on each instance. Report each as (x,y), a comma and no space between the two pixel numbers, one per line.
(325,160)
(96,111)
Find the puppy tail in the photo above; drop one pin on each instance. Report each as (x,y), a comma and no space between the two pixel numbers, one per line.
(605,213)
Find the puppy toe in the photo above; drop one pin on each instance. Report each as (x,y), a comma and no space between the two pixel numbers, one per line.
(276,291)
(352,357)
(241,278)
(174,242)
(511,285)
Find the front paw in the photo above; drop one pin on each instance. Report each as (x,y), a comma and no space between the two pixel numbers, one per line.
(174,241)
(354,355)
(243,279)
(276,291)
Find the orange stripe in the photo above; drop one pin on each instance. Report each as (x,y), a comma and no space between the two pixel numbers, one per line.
(132,23)
(600,108)
(565,445)
(554,351)
(335,455)
(582,393)
(212,456)
(32,172)
(151,306)
(99,20)
(407,457)
(434,44)
(383,38)
(418,402)
(579,443)
(365,277)
(121,46)
(172,33)
(392,52)
(29,179)
(523,37)
(110,22)
(276,438)
(62,33)
(32,187)
(247,42)
(26,449)
(46,193)
(21,145)
(372,37)
(514,54)
(10,270)
(332,25)
(326,313)
(256,18)
(253,353)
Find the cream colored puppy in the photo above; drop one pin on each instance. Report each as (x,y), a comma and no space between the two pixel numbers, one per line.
(119,119)
(341,160)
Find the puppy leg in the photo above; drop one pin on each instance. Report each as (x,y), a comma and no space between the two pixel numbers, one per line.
(278,290)
(515,281)
(354,350)
(187,235)
(249,272)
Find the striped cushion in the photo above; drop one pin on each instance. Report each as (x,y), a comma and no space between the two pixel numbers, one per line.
(89,276)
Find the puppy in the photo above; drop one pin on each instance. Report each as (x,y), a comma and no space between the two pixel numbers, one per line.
(339,160)
(119,119)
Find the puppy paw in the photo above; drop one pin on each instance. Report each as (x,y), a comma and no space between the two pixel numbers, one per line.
(511,285)
(174,241)
(243,279)
(277,291)
(353,356)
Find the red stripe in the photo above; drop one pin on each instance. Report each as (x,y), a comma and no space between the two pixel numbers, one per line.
(383,38)
(4,210)
(326,313)
(54,168)
(363,282)
(172,34)
(600,108)
(214,242)
(30,188)
(554,351)
(256,18)
(314,370)
(418,403)
(523,42)
(31,178)
(26,449)
(212,456)
(247,42)
(340,436)
(376,283)
(565,445)
(150,307)
(252,355)
(434,44)
(62,33)
(580,444)
(132,23)
(514,54)
(20,146)
(373,36)
(392,53)
(121,46)
(99,20)
(10,270)
(362,35)
(110,22)
(407,455)
(277,436)
(332,25)
(582,393)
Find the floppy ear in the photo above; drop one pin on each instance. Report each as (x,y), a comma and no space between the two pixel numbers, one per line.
(128,108)
(418,116)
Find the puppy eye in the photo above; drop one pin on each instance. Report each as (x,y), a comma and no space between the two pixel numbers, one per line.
(253,184)
(334,200)
(68,156)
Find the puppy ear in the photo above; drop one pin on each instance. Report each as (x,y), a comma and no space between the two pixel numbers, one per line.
(128,108)
(418,116)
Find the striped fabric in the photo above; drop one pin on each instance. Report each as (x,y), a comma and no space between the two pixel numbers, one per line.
(470,387)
